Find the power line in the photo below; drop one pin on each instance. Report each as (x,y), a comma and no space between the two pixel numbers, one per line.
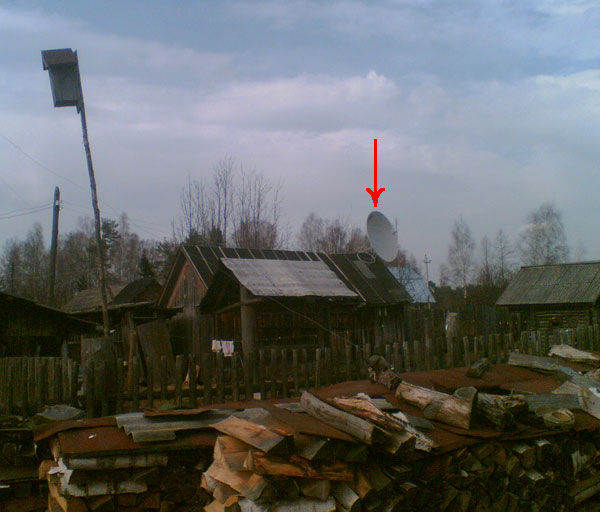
(25,213)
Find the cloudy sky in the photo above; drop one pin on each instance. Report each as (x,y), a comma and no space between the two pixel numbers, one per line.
(481,109)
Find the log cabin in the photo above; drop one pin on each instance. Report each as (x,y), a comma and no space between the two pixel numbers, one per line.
(551,297)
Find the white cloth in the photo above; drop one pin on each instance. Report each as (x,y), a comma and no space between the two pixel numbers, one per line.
(227,347)
(216,345)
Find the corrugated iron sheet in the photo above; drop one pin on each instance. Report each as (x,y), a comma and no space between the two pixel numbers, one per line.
(381,289)
(277,278)
(567,283)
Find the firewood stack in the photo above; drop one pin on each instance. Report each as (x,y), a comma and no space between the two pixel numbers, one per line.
(148,482)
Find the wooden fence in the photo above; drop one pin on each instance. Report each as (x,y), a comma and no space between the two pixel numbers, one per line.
(27,384)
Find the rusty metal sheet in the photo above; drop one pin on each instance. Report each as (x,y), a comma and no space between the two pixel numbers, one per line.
(113,440)
(44,431)
(10,474)
(544,385)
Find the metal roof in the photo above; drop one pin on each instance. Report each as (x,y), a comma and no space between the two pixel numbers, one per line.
(414,284)
(362,273)
(567,283)
(283,278)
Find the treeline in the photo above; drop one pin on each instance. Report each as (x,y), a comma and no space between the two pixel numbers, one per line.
(236,207)
(479,273)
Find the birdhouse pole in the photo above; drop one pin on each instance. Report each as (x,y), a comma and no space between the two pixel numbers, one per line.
(65,81)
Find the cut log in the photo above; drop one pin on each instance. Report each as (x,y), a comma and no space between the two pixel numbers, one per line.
(255,435)
(295,466)
(346,498)
(223,492)
(478,367)
(451,409)
(313,447)
(406,436)
(500,410)
(346,422)
(574,354)
(248,484)
(549,402)
(231,452)
(319,489)
(535,362)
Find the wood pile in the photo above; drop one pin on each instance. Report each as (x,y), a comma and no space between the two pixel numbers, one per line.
(157,482)
(259,468)
(20,490)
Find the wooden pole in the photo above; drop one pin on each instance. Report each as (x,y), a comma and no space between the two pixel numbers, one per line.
(97,221)
(248,318)
(54,244)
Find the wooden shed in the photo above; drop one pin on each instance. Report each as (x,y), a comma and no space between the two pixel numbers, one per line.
(553,296)
(28,328)
(294,298)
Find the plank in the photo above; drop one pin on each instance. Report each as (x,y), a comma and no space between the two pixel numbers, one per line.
(297,467)
(253,434)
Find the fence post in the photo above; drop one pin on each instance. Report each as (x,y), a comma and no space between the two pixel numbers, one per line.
(305,372)
(295,370)
(206,380)
(150,383)
(135,384)
(178,378)
(262,374)
(220,378)
(318,368)
(89,390)
(164,381)
(273,373)
(284,373)
(120,385)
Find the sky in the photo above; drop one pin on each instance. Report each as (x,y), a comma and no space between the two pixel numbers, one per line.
(483,110)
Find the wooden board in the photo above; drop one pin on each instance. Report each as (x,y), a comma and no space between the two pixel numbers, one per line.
(155,343)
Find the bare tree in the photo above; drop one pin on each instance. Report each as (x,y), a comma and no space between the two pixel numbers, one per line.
(543,240)
(487,272)
(257,212)
(503,258)
(332,236)
(461,258)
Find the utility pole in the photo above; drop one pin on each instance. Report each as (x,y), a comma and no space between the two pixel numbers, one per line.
(427,261)
(54,244)
(63,67)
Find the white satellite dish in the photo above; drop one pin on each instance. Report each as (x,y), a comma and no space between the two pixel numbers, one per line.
(382,236)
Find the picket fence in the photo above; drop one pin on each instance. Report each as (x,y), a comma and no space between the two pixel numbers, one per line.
(28,384)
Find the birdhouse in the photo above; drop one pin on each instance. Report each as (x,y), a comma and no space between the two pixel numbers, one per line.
(63,67)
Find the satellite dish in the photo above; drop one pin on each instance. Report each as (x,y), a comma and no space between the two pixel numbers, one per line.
(382,236)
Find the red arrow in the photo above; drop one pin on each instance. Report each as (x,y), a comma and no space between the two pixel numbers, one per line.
(376,192)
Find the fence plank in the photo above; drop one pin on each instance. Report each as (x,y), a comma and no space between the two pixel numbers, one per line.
(150,364)
(295,371)
(89,390)
(120,384)
(220,377)
(284,372)
(179,364)
(235,385)
(262,374)
(193,403)
(248,365)
(206,379)
(305,370)
(273,373)
(135,383)
(318,368)
(163,369)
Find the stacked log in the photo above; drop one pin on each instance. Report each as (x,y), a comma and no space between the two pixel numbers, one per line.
(147,482)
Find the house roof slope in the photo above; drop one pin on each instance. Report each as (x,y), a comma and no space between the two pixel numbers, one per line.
(362,273)
(565,283)
(287,278)
(414,284)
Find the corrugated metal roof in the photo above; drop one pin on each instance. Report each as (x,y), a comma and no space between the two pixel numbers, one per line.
(277,278)
(362,273)
(414,284)
(567,283)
